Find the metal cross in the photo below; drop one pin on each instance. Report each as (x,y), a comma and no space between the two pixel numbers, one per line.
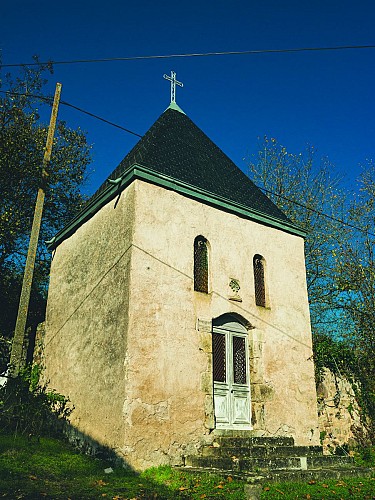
(174,82)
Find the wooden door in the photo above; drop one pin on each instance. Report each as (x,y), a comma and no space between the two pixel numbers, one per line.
(231,376)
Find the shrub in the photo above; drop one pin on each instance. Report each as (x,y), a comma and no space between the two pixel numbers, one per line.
(29,408)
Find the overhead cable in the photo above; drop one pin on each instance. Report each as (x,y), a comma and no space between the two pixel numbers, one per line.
(196,54)
(100,118)
(48,100)
(318,212)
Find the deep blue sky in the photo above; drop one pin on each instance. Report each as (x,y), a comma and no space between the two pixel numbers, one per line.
(320,98)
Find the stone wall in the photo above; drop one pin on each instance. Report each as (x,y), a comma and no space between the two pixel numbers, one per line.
(281,367)
(85,343)
(128,340)
(338,411)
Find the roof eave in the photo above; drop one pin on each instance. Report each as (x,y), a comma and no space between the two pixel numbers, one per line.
(137,171)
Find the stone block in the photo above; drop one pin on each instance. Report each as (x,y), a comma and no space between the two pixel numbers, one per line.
(206,382)
(205,342)
(253,491)
(257,372)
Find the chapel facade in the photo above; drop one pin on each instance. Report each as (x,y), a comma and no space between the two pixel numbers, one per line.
(178,306)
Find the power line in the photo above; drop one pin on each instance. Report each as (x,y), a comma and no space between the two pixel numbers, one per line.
(197,54)
(176,270)
(100,118)
(318,212)
(48,100)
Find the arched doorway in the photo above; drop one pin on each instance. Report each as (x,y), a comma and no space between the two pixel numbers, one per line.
(230,353)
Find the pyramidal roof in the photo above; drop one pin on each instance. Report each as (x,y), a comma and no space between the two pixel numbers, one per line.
(176,154)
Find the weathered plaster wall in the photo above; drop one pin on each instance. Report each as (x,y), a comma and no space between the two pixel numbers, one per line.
(87,320)
(129,341)
(169,365)
(164,407)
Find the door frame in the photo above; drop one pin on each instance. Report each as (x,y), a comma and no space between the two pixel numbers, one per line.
(226,395)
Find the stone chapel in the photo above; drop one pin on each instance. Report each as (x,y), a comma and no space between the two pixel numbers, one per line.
(178,307)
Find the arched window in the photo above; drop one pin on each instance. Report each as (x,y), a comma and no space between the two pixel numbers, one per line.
(201,264)
(260,288)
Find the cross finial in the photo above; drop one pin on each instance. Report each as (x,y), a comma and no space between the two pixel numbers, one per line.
(174,82)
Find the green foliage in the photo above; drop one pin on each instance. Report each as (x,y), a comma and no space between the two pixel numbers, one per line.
(10,289)
(356,275)
(365,456)
(294,182)
(29,408)
(52,468)
(22,143)
(340,262)
(195,484)
(322,436)
(335,354)
(360,488)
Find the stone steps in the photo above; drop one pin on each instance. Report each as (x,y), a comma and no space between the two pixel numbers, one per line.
(270,463)
(262,451)
(251,441)
(259,459)
(319,474)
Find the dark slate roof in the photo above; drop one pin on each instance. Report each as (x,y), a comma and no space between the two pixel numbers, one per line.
(176,154)
(176,147)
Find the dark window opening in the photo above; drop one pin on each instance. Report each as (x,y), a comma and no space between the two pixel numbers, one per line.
(219,353)
(260,289)
(200,265)
(239,360)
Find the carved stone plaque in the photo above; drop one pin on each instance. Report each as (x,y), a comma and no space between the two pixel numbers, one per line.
(234,285)
(204,325)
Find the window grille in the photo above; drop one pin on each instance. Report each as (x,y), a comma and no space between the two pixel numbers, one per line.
(219,353)
(260,290)
(239,360)
(200,265)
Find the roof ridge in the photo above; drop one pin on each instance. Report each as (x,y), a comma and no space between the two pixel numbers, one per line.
(175,146)
(176,154)
(176,107)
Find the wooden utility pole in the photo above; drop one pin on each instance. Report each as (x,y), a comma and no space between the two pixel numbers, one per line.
(17,359)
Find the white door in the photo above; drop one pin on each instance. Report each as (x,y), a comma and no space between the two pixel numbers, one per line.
(231,375)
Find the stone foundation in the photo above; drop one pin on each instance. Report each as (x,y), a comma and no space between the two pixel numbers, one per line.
(338,412)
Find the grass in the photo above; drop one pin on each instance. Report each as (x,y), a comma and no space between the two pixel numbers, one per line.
(52,469)
(363,489)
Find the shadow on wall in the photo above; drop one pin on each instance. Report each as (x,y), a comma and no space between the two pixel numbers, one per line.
(89,446)
(58,472)
(108,456)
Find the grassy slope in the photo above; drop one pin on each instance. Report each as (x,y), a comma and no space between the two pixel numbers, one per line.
(361,489)
(53,469)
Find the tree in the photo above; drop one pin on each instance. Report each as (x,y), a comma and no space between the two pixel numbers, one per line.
(356,275)
(22,142)
(295,182)
(340,261)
